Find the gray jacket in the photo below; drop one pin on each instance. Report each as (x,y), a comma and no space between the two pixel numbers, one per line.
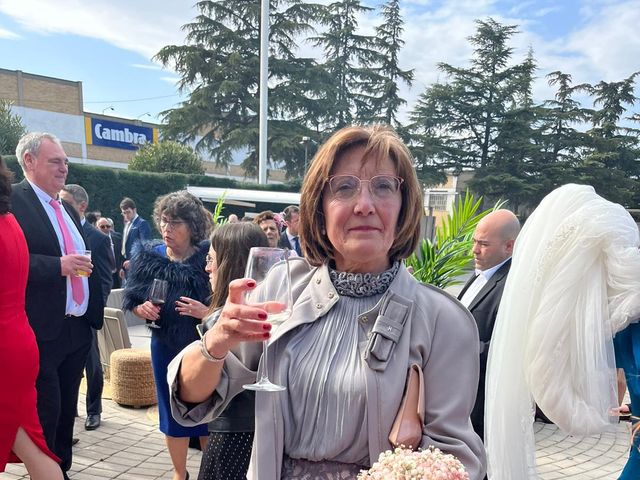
(413,323)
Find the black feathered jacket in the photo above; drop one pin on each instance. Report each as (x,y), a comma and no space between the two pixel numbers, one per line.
(186,279)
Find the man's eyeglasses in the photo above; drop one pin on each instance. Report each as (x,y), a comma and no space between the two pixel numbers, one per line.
(104,227)
(170,224)
(381,187)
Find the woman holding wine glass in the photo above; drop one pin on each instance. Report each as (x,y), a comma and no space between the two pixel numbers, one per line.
(179,261)
(359,321)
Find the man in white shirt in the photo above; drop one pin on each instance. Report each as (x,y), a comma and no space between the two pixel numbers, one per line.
(289,238)
(493,242)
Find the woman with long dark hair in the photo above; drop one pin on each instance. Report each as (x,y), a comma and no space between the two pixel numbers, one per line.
(228,450)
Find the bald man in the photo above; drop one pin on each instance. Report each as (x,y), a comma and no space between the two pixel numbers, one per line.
(493,242)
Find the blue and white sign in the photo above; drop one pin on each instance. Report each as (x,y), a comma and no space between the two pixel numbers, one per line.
(107,133)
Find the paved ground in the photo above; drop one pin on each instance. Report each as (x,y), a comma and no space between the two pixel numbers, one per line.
(128,446)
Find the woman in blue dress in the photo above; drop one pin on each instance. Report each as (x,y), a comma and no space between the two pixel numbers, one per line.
(180,259)
(627,348)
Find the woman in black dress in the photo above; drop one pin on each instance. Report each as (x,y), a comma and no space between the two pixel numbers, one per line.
(228,450)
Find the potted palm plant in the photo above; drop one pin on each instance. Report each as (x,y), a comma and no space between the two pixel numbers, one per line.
(443,262)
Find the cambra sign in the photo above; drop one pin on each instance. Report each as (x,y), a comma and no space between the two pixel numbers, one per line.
(107,133)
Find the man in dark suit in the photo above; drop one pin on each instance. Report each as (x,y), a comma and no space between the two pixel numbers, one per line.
(493,242)
(105,225)
(104,262)
(61,305)
(136,229)
(289,238)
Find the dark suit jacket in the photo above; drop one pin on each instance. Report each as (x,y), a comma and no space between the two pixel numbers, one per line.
(116,238)
(284,241)
(484,309)
(100,247)
(46,293)
(140,230)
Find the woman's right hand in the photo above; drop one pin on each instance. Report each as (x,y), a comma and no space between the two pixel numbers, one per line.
(238,322)
(147,311)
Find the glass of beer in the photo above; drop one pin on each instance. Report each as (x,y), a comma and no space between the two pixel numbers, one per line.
(86,253)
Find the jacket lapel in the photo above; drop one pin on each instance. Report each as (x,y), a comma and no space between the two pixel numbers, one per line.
(466,286)
(490,285)
(35,204)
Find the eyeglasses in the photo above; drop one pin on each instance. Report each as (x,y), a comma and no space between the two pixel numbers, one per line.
(381,187)
(210,259)
(105,227)
(170,224)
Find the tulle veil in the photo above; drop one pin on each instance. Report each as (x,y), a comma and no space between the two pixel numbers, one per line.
(574,282)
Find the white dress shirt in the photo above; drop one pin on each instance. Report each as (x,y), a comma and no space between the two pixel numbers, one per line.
(72,308)
(482,277)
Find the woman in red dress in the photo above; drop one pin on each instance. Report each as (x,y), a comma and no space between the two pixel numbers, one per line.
(21,437)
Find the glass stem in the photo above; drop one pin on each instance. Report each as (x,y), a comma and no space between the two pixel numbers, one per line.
(263,375)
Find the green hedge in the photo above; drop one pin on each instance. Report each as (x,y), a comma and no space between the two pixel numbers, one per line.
(107,186)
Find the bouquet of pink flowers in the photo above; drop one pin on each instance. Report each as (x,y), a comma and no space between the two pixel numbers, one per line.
(405,464)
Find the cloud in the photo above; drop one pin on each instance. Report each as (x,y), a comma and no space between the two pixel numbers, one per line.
(7,34)
(542,12)
(144,29)
(146,67)
(171,80)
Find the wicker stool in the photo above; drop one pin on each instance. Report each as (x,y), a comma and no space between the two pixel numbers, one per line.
(132,378)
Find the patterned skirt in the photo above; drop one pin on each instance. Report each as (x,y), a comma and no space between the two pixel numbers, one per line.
(226,456)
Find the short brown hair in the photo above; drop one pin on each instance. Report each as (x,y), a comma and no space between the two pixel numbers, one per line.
(127,203)
(380,142)
(265,215)
(187,207)
(289,211)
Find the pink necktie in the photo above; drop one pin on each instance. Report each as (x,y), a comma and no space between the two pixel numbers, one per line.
(76,283)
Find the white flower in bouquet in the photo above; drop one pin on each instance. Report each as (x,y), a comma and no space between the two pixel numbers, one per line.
(405,464)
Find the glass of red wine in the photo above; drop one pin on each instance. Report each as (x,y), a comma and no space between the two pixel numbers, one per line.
(157,296)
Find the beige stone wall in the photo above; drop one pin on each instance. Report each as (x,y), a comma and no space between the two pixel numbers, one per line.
(72,149)
(96,152)
(8,86)
(52,95)
(42,93)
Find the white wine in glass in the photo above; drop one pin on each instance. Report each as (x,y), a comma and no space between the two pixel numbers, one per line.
(157,296)
(269,267)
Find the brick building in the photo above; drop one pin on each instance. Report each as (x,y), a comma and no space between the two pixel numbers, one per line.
(56,106)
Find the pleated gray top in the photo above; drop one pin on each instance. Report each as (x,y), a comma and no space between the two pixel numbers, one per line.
(325,404)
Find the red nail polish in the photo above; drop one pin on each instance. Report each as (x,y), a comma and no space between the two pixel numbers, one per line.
(266,335)
(267,326)
(262,316)
(251,283)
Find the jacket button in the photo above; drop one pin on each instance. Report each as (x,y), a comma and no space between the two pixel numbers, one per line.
(318,306)
(318,280)
(330,295)
(363,319)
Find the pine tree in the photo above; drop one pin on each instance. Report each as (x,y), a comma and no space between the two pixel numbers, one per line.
(610,162)
(219,67)
(386,99)
(471,106)
(346,56)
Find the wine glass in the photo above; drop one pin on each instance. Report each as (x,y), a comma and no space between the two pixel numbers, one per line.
(157,296)
(269,267)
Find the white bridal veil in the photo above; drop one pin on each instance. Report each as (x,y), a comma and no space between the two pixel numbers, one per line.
(574,282)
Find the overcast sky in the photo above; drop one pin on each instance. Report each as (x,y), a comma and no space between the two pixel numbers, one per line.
(108,45)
